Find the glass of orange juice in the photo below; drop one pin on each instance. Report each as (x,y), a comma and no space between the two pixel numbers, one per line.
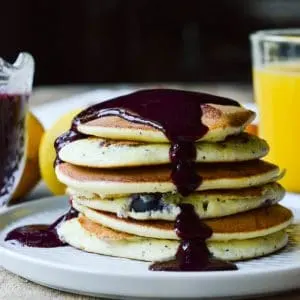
(276,79)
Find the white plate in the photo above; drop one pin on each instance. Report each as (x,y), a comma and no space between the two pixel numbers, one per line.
(68,269)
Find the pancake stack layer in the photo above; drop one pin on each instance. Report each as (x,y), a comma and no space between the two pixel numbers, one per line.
(119,177)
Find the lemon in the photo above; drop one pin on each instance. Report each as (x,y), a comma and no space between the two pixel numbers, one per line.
(31,174)
(47,153)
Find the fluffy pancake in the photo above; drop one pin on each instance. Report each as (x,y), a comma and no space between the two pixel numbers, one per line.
(246,225)
(101,153)
(157,179)
(221,120)
(89,236)
(207,204)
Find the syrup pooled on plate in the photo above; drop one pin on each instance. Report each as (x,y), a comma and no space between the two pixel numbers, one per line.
(40,235)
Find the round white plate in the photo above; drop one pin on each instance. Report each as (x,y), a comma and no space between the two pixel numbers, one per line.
(68,269)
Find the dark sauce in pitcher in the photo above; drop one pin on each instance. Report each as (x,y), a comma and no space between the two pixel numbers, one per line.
(12,142)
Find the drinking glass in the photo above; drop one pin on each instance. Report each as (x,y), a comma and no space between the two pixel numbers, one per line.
(15,88)
(276,78)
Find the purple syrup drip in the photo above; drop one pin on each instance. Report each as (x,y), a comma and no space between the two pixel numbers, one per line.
(41,235)
(192,253)
(64,139)
(188,225)
(68,137)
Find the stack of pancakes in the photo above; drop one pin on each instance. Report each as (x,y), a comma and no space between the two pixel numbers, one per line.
(118,178)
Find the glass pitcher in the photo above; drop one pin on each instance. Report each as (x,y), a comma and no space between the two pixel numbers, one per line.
(15,89)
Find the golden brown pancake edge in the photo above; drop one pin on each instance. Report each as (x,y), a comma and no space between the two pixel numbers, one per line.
(255,220)
(210,171)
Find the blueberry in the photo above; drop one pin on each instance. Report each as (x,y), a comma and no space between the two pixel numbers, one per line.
(146,202)
(267,203)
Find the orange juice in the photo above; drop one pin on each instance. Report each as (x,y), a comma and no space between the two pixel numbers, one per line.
(277,93)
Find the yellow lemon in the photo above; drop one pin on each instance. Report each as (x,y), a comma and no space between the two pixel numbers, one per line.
(31,174)
(47,152)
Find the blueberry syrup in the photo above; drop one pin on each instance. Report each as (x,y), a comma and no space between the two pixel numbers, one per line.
(41,235)
(179,115)
(13,110)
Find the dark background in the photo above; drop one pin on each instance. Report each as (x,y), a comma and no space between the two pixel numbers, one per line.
(103,41)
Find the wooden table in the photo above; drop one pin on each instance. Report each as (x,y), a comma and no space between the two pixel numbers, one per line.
(14,287)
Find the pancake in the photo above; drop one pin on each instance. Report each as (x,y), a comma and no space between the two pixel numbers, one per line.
(207,204)
(246,225)
(157,179)
(221,121)
(91,237)
(101,153)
